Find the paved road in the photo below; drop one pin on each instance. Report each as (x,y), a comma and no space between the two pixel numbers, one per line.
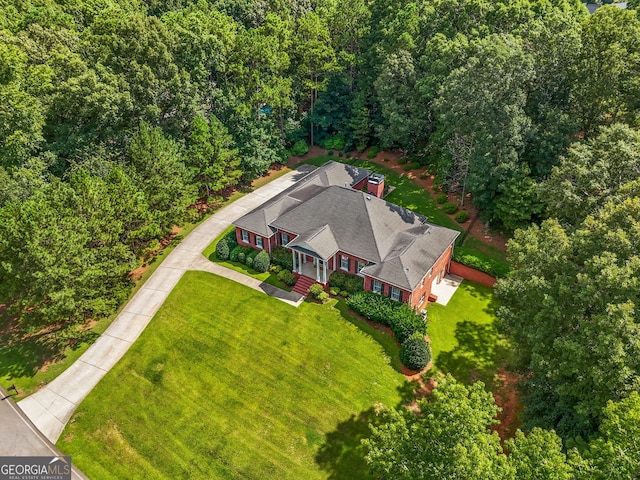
(51,407)
(20,438)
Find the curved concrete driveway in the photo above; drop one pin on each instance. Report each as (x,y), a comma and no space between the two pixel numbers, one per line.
(51,407)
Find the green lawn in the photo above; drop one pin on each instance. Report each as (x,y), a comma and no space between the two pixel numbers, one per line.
(464,338)
(227,382)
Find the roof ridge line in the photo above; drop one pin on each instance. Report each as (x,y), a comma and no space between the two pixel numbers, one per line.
(375,239)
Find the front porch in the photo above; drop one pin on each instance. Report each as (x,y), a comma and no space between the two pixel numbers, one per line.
(311,266)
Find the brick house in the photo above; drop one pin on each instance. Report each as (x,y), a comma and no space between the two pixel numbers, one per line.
(334,218)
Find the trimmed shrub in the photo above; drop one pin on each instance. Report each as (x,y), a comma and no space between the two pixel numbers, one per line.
(248,261)
(330,153)
(449,207)
(299,148)
(233,256)
(373,151)
(261,262)
(222,250)
(462,216)
(336,142)
(287,278)
(385,159)
(344,293)
(402,160)
(415,165)
(316,290)
(399,317)
(334,291)
(231,239)
(242,257)
(281,256)
(346,281)
(442,198)
(275,269)
(407,168)
(415,352)
(340,153)
(424,175)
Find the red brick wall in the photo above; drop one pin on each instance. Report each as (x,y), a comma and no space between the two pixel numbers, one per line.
(353,262)
(360,185)
(375,189)
(472,274)
(252,240)
(386,289)
(278,238)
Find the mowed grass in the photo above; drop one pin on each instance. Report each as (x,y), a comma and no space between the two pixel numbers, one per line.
(227,382)
(464,339)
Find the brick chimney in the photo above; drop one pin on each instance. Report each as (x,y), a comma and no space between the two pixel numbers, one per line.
(375,185)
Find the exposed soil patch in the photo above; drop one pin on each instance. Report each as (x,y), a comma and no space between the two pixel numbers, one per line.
(507,398)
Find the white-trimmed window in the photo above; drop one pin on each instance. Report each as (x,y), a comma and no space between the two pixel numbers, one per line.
(422,282)
(259,242)
(245,236)
(360,265)
(376,286)
(344,263)
(422,299)
(430,272)
(284,239)
(395,294)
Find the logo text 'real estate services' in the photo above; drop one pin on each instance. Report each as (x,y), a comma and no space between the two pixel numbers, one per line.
(35,468)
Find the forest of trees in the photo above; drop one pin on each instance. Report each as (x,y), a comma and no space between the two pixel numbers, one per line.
(117,115)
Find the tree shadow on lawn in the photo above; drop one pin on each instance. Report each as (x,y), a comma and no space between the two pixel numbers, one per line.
(24,354)
(479,351)
(342,452)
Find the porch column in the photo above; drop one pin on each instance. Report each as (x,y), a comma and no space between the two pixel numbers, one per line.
(293,254)
(299,262)
(317,271)
(325,264)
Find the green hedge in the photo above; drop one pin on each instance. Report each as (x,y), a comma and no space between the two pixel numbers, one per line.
(261,262)
(222,250)
(462,216)
(225,245)
(299,148)
(281,256)
(486,265)
(288,278)
(346,281)
(449,207)
(399,317)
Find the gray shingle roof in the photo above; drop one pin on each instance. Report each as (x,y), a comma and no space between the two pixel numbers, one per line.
(327,217)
